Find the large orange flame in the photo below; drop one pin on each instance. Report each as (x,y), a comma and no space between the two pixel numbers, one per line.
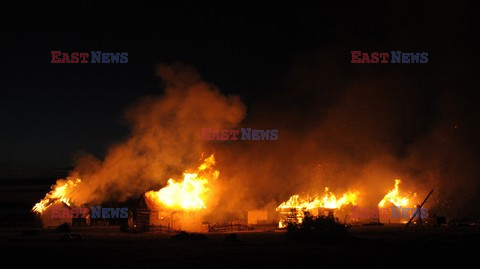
(189,194)
(394,197)
(298,204)
(60,192)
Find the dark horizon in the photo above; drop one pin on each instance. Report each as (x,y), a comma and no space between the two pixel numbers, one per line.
(50,112)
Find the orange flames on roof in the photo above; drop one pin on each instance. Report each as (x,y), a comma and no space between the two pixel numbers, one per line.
(394,197)
(297,204)
(60,192)
(293,209)
(189,194)
(329,200)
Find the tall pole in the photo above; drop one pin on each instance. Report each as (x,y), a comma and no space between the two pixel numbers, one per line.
(418,209)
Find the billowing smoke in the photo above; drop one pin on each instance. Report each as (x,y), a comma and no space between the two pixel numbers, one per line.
(165,138)
(348,129)
(338,128)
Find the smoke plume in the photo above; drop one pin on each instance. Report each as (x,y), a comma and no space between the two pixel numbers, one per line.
(165,138)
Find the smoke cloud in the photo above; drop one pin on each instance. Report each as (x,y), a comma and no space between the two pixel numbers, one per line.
(165,138)
(338,128)
(355,129)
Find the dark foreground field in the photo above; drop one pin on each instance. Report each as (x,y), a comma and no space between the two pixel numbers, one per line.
(372,247)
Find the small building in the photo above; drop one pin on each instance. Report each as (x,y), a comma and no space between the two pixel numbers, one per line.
(56,215)
(295,216)
(147,217)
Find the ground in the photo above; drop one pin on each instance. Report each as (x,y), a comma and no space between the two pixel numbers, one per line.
(372,247)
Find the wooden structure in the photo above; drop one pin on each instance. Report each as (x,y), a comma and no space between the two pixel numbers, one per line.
(51,219)
(148,217)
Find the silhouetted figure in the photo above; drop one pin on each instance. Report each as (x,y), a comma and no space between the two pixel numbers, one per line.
(419,213)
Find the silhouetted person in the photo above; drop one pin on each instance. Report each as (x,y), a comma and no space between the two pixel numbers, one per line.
(419,213)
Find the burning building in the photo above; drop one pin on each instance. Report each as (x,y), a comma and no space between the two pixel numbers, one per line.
(179,205)
(346,208)
(293,210)
(150,217)
(59,193)
(50,220)
(56,200)
(390,207)
(166,140)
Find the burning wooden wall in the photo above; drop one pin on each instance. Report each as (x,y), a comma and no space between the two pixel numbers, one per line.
(148,216)
(51,220)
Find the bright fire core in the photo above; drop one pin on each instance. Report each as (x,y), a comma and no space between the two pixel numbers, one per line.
(297,205)
(60,192)
(189,194)
(394,197)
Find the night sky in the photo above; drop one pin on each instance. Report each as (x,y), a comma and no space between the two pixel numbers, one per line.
(51,112)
